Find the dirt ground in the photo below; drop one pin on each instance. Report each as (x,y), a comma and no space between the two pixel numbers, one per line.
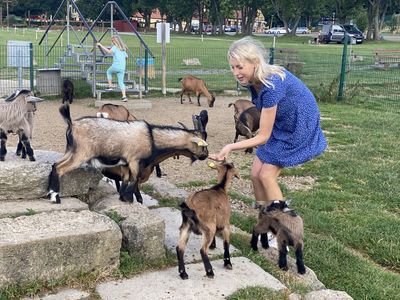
(49,134)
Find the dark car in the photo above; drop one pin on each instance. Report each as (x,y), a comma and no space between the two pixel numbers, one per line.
(336,33)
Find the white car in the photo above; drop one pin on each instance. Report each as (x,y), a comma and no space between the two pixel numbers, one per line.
(302,30)
(276,30)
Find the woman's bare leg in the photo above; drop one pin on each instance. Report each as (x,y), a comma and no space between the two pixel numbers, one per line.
(265,181)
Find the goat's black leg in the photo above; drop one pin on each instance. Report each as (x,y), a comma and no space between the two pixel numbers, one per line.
(27,146)
(3,148)
(54,185)
(264,240)
(137,193)
(227,257)
(117,185)
(254,241)
(198,100)
(282,256)
(207,264)
(181,263)
(158,171)
(299,260)
(20,147)
(126,192)
(182,98)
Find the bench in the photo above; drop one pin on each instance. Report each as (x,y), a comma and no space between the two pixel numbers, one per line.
(387,57)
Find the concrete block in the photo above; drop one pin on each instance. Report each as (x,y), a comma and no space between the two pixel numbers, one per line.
(24,179)
(51,245)
(142,230)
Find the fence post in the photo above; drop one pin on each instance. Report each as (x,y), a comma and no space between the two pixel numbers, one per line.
(146,71)
(271,55)
(343,68)
(31,66)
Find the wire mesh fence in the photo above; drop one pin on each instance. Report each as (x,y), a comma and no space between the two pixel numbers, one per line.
(368,81)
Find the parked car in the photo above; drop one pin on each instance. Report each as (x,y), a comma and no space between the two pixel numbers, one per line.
(302,30)
(276,30)
(336,33)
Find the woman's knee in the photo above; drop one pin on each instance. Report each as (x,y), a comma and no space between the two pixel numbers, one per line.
(269,174)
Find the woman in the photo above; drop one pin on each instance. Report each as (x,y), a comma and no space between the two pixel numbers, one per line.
(290,132)
(118,66)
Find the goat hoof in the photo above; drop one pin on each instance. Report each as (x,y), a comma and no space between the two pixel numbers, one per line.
(228,265)
(184,275)
(301,270)
(284,268)
(31,158)
(210,274)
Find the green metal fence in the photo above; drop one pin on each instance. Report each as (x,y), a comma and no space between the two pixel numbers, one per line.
(367,80)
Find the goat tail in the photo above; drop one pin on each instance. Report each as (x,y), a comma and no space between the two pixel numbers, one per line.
(64,111)
(189,216)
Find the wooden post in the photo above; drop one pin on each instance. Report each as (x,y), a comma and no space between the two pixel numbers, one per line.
(164,59)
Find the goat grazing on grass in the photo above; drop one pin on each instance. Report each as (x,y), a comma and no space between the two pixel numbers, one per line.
(15,117)
(191,84)
(108,143)
(287,226)
(247,120)
(67,91)
(206,212)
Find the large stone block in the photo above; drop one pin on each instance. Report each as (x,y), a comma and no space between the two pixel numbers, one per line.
(54,244)
(142,231)
(24,179)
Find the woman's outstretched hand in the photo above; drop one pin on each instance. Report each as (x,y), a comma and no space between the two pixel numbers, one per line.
(222,155)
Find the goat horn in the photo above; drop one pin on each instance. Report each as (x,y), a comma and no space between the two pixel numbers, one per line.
(34,99)
(200,142)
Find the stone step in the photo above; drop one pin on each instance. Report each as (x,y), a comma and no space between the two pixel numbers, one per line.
(16,208)
(167,284)
(29,179)
(51,245)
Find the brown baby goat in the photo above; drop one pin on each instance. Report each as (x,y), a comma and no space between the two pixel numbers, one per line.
(287,226)
(205,212)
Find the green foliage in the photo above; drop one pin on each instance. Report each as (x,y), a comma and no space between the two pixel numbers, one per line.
(257,292)
(115,216)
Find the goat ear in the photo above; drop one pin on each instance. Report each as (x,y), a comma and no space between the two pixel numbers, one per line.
(200,142)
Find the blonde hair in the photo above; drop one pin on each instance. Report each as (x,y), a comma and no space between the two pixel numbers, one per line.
(118,42)
(252,51)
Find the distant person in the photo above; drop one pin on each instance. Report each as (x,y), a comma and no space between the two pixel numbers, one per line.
(118,50)
(290,132)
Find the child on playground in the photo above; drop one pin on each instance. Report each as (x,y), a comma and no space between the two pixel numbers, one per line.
(118,50)
(290,132)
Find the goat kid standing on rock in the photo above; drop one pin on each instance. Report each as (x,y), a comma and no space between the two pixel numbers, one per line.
(108,143)
(191,84)
(15,117)
(287,226)
(206,212)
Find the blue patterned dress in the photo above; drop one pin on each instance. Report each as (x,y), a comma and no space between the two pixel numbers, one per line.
(296,135)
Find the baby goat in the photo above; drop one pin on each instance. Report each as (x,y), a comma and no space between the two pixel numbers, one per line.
(67,91)
(14,118)
(115,112)
(247,120)
(287,226)
(191,84)
(206,212)
(107,143)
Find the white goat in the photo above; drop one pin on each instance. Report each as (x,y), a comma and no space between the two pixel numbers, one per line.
(109,143)
(14,118)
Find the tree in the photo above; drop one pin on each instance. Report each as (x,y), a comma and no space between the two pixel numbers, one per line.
(145,7)
(289,12)
(178,11)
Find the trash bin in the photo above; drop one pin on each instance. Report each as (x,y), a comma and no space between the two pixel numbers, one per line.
(48,81)
(151,72)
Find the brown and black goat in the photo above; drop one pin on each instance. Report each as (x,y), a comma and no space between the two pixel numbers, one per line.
(108,143)
(287,226)
(206,212)
(247,120)
(191,84)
